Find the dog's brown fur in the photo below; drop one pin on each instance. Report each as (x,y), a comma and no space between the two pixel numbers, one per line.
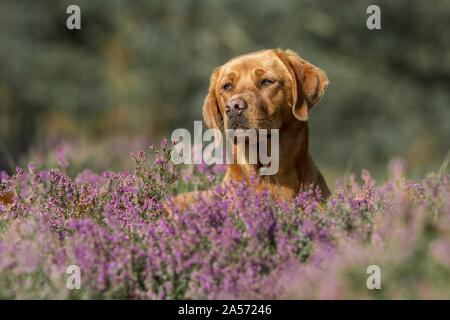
(284,104)
(7,198)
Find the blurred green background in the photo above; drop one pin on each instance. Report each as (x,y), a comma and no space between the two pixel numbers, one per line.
(139,69)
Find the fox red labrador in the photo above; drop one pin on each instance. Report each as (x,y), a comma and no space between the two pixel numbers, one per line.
(269,89)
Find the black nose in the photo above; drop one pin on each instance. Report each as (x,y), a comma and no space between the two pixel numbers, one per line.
(235,107)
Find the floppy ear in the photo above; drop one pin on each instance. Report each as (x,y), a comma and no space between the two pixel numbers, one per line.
(211,112)
(308,83)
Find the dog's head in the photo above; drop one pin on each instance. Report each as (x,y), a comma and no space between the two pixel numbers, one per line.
(263,90)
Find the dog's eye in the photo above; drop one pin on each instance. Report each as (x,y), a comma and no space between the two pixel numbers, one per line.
(227,86)
(266,82)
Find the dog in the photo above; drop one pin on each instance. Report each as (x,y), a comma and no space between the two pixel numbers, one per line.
(268,89)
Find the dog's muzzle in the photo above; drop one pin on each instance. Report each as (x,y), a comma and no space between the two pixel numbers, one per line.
(234,109)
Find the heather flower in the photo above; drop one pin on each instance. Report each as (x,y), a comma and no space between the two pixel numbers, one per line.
(61,157)
(232,242)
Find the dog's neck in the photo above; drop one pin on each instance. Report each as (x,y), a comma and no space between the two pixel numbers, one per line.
(293,154)
(294,143)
